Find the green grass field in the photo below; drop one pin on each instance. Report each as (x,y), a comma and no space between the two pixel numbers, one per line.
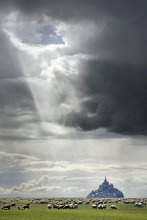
(84,212)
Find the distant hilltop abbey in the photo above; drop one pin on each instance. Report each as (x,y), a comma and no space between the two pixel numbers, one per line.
(106,190)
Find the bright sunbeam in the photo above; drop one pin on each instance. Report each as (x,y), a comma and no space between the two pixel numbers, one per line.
(41,53)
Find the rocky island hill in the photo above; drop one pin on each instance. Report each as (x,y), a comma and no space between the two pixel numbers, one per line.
(106,190)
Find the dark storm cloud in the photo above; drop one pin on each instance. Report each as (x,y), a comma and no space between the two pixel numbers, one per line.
(112,95)
(75,9)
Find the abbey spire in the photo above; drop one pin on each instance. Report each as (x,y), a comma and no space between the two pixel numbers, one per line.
(105,180)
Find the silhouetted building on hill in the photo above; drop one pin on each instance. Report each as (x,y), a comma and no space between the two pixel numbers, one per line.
(106,190)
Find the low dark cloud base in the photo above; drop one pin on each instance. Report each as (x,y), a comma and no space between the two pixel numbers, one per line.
(112,95)
(75,9)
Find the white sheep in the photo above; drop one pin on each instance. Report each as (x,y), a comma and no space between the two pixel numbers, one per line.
(94,206)
(26,206)
(49,206)
(139,205)
(113,207)
(101,206)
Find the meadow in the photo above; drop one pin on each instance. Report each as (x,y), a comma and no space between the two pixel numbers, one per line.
(84,212)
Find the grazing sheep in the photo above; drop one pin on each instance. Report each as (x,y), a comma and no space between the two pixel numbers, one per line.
(43,202)
(58,206)
(113,207)
(26,206)
(104,206)
(55,206)
(66,206)
(101,206)
(139,205)
(126,202)
(49,206)
(94,206)
(13,205)
(6,207)
(79,202)
(71,206)
(132,201)
(100,203)
(75,206)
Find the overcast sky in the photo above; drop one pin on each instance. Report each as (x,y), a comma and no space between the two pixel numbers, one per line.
(73,96)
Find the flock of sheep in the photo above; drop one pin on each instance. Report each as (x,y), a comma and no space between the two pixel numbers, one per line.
(75,203)
(102,204)
(8,206)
